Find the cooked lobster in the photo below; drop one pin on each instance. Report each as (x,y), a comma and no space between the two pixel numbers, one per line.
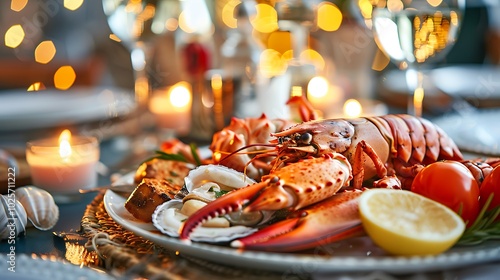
(315,156)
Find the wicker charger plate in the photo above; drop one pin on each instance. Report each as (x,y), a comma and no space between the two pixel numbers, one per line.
(122,253)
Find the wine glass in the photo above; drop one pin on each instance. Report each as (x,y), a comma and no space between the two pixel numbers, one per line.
(414,33)
(139,25)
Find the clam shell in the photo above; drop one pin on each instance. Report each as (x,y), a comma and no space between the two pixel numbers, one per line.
(13,217)
(168,219)
(40,207)
(202,184)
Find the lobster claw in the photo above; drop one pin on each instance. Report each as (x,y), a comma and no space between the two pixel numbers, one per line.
(333,219)
(225,204)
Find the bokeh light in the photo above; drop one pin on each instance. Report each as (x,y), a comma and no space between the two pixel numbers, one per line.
(72,5)
(228,12)
(280,41)
(271,63)
(266,19)
(195,18)
(171,24)
(434,3)
(45,52)
(180,95)
(314,57)
(14,36)
(64,77)
(36,86)
(18,5)
(329,16)
(352,108)
(317,87)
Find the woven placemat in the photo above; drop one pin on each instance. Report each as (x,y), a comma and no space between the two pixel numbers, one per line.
(124,254)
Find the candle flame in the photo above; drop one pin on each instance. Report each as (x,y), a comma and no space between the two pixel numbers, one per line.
(64,146)
(352,108)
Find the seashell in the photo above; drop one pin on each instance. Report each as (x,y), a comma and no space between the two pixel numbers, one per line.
(205,184)
(225,177)
(13,218)
(40,206)
(168,219)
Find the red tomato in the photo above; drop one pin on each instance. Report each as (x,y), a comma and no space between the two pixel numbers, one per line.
(491,184)
(452,184)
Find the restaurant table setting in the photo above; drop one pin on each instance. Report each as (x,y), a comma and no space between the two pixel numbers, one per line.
(105,182)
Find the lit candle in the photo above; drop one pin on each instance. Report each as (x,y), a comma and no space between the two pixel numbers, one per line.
(172,108)
(65,165)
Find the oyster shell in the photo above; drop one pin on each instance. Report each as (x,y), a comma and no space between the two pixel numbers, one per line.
(205,184)
(13,217)
(40,207)
(168,218)
(225,177)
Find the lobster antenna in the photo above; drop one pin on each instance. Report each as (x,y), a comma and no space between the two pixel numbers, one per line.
(246,147)
(256,158)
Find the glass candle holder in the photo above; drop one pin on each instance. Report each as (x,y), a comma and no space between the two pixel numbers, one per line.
(63,167)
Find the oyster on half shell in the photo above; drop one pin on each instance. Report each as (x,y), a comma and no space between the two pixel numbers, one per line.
(202,185)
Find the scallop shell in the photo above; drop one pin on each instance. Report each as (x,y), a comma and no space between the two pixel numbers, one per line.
(40,207)
(13,217)
(202,184)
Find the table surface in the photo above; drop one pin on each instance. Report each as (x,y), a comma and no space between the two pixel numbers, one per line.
(45,243)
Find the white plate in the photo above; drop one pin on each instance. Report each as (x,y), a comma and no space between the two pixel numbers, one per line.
(354,255)
(468,81)
(27,268)
(23,110)
(476,131)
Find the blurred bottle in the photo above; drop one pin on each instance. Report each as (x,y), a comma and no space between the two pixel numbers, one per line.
(239,56)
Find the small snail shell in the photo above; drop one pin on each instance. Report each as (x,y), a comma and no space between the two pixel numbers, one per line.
(40,207)
(13,217)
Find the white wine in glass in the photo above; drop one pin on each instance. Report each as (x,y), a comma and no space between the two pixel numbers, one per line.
(416,33)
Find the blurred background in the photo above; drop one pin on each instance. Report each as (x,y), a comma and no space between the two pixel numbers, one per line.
(232,57)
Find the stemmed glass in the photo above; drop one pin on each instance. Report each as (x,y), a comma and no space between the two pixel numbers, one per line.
(414,33)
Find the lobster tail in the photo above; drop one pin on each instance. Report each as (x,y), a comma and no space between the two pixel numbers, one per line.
(417,138)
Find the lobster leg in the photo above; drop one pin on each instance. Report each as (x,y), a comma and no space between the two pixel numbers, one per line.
(357,167)
(306,110)
(333,219)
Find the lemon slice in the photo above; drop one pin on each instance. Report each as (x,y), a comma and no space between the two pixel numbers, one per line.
(406,223)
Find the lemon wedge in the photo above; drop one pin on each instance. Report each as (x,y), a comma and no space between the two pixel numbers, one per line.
(406,223)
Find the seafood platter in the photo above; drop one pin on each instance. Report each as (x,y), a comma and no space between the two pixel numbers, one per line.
(391,193)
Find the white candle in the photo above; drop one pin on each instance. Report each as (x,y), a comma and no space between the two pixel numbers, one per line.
(65,165)
(172,108)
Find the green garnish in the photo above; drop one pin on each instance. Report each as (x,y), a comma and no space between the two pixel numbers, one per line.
(176,157)
(165,156)
(195,154)
(484,228)
(217,193)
